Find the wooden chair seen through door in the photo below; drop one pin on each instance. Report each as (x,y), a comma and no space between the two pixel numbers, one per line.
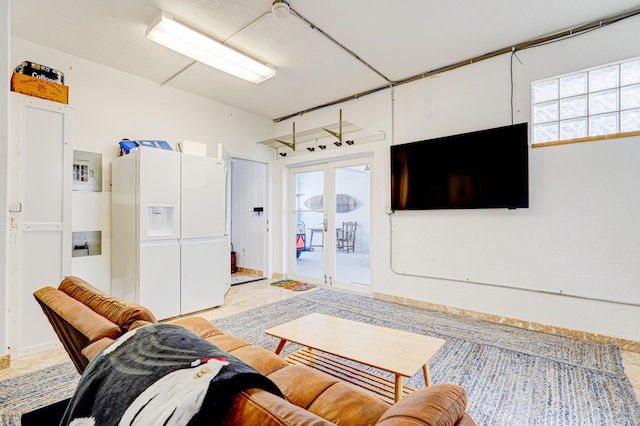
(346,237)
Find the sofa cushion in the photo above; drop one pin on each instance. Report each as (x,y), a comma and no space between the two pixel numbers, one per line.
(257,407)
(343,403)
(328,397)
(289,379)
(116,310)
(92,350)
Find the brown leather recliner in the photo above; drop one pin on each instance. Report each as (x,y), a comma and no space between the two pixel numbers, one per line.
(87,320)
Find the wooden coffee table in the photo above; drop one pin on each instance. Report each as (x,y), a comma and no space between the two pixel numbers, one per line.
(398,352)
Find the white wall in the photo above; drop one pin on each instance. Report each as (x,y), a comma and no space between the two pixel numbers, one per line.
(110,105)
(581,235)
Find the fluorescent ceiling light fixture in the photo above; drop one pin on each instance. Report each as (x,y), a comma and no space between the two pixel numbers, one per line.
(166,31)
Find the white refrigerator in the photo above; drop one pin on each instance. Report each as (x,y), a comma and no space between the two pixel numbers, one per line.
(169,215)
(204,241)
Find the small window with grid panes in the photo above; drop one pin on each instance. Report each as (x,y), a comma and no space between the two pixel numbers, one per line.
(596,102)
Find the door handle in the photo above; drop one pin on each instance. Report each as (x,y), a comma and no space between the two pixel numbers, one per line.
(326,224)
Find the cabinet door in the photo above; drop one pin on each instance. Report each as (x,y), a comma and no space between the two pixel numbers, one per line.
(40,221)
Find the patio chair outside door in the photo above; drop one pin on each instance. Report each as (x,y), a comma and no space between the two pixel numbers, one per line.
(346,237)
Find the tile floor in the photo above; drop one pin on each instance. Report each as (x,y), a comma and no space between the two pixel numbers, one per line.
(240,298)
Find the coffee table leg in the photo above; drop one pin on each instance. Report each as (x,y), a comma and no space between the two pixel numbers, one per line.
(280,346)
(399,385)
(427,377)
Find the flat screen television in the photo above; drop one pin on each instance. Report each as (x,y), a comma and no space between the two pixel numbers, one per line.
(477,170)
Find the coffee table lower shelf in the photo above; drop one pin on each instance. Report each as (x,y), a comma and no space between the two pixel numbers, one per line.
(382,387)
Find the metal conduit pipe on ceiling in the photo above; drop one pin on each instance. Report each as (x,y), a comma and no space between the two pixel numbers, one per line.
(541,41)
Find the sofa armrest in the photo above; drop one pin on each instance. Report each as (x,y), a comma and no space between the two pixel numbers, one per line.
(466,420)
(91,350)
(436,405)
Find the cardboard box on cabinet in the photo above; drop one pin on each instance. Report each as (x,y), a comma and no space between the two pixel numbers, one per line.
(39,88)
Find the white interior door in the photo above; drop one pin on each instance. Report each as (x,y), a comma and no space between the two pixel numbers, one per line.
(326,198)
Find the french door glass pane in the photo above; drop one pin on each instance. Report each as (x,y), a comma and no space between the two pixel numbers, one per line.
(352,220)
(309,217)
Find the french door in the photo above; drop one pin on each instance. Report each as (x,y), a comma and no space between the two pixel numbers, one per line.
(330,223)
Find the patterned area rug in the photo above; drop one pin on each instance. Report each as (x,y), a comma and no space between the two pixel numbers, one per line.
(34,390)
(512,376)
(293,285)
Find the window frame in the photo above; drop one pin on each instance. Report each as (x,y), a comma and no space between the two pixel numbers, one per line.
(611,94)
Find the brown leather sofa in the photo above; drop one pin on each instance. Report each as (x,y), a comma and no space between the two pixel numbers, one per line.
(87,320)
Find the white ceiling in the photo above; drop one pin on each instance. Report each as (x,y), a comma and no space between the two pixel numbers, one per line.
(398,38)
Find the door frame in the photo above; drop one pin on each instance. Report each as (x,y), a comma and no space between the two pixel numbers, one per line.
(328,166)
(265,182)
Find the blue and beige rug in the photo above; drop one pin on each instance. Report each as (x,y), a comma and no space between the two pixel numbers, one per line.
(34,390)
(512,376)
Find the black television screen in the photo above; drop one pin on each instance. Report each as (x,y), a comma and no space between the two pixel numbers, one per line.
(484,169)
